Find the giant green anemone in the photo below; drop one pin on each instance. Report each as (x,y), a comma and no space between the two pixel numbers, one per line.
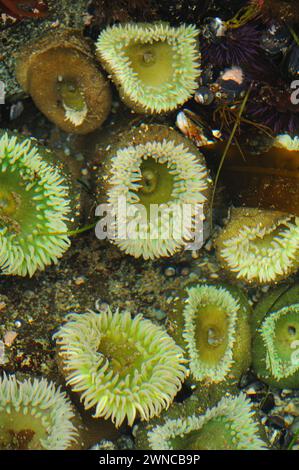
(59,72)
(154,65)
(211,323)
(155,169)
(34,207)
(122,366)
(34,415)
(230,425)
(286,142)
(259,246)
(276,338)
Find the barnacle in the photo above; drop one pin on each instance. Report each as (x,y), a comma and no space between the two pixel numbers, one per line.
(276,342)
(59,73)
(122,366)
(259,246)
(230,425)
(34,415)
(154,65)
(154,168)
(34,207)
(211,323)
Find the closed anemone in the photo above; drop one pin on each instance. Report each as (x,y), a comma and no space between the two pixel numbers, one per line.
(210,316)
(34,207)
(259,246)
(154,65)
(164,185)
(34,415)
(228,426)
(280,333)
(60,74)
(276,338)
(211,323)
(121,366)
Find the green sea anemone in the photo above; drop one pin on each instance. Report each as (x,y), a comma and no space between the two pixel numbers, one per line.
(34,207)
(155,169)
(211,323)
(259,246)
(59,72)
(285,141)
(154,65)
(121,366)
(34,415)
(276,342)
(228,426)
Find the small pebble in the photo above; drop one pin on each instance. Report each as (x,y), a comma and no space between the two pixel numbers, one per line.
(79,281)
(9,338)
(169,272)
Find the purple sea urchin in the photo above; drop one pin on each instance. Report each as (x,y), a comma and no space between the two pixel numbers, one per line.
(34,207)
(34,415)
(155,66)
(234,46)
(271,105)
(123,367)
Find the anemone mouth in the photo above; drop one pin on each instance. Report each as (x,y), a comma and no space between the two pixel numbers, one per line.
(280,334)
(71,99)
(158,181)
(19,431)
(210,316)
(261,250)
(229,425)
(121,366)
(146,59)
(33,204)
(156,65)
(34,415)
